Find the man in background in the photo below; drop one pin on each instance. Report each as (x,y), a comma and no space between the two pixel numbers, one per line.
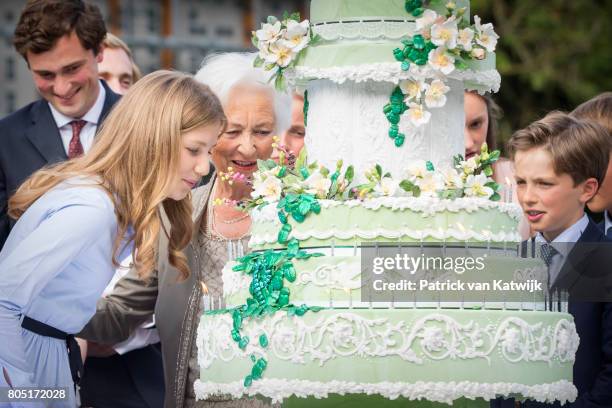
(61,41)
(118,68)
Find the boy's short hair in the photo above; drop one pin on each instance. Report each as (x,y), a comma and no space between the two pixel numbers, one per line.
(578,148)
(43,22)
(597,109)
(115,43)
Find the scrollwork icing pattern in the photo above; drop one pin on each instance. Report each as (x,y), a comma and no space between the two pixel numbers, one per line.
(365,30)
(433,337)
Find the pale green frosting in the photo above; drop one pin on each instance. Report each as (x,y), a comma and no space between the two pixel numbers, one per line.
(346,224)
(352,53)
(337,280)
(401,345)
(334,10)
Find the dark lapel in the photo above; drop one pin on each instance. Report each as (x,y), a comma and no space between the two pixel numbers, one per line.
(43,133)
(579,256)
(110,99)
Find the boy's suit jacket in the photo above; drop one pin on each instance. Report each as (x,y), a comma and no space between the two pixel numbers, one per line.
(30,140)
(593,365)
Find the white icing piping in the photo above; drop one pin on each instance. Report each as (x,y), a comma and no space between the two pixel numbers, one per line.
(486,80)
(396,233)
(369,30)
(431,337)
(445,392)
(424,205)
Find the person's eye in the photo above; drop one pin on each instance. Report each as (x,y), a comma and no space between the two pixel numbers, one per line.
(262,132)
(72,69)
(520,182)
(546,183)
(126,83)
(47,76)
(297,132)
(233,132)
(194,152)
(475,125)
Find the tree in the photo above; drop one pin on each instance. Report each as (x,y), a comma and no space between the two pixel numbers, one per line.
(552,55)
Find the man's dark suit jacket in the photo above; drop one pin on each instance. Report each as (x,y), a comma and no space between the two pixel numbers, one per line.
(593,365)
(30,140)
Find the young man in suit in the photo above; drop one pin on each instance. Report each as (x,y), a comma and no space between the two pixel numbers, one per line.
(560,162)
(61,41)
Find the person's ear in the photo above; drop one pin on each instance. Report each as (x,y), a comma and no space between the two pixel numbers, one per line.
(100,55)
(589,189)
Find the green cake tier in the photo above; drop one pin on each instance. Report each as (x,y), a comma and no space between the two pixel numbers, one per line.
(337,281)
(358,39)
(436,355)
(391,219)
(322,11)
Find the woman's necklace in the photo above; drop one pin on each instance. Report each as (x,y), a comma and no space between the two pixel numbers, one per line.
(211,224)
(232,220)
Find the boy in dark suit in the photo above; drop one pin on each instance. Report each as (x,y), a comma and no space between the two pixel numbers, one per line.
(61,41)
(560,162)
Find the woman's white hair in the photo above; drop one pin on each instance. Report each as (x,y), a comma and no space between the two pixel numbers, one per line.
(222,71)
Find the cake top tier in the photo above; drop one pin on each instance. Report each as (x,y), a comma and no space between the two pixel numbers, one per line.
(324,11)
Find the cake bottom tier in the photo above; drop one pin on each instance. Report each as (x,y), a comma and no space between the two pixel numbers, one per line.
(437,355)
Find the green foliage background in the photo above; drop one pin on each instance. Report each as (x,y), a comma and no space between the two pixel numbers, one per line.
(552,54)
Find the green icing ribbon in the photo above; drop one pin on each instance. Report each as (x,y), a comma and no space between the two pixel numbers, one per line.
(269,270)
(305,108)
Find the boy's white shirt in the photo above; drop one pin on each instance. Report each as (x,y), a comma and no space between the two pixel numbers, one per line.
(607,222)
(570,235)
(145,334)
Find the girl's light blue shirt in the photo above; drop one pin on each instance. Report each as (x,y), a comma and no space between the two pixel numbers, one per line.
(53,268)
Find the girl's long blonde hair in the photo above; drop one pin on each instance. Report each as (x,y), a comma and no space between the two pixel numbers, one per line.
(136,157)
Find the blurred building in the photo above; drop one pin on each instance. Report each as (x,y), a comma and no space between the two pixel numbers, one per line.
(167,34)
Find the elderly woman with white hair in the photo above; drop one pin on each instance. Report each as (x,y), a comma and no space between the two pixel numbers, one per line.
(255,112)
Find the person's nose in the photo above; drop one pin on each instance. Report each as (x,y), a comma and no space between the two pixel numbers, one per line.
(62,86)
(247,145)
(202,166)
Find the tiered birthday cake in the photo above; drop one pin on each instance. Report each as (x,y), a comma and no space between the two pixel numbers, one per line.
(384,85)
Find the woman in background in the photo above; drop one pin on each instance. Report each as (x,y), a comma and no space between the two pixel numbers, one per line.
(481,116)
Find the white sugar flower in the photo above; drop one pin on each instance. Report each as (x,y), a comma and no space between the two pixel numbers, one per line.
(452,179)
(416,169)
(268,32)
(445,34)
(435,96)
(486,36)
(412,89)
(478,53)
(297,35)
(317,184)
(417,115)
(387,187)
(430,184)
(468,166)
(475,186)
(280,54)
(465,38)
(440,60)
(269,188)
(428,18)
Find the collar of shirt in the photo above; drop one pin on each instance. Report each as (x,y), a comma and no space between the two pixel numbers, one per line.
(570,235)
(607,222)
(92,116)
